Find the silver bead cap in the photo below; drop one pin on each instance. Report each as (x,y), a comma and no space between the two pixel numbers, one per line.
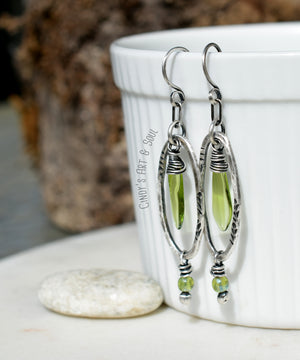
(223,297)
(185,298)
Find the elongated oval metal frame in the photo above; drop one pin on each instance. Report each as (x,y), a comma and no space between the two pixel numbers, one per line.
(183,254)
(222,255)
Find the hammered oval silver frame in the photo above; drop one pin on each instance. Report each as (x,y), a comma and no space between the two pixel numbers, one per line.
(183,254)
(222,255)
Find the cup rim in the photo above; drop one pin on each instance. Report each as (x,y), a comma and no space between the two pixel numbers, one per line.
(265,74)
(131,43)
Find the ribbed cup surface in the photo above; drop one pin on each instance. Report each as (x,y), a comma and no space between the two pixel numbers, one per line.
(261,94)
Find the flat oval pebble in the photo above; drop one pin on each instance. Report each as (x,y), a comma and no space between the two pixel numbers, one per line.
(99,293)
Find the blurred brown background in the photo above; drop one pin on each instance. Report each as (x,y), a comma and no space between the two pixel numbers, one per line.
(70,109)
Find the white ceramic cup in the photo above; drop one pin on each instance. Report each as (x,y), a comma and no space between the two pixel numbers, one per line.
(258,73)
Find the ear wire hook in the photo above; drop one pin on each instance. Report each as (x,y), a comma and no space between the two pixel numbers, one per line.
(164,66)
(177,96)
(204,63)
(214,96)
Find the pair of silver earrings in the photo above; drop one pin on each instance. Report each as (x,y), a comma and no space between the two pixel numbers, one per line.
(216,152)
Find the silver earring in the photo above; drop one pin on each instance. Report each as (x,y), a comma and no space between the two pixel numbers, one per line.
(171,164)
(226,211)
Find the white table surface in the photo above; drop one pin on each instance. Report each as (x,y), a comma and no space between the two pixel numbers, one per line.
(29,331)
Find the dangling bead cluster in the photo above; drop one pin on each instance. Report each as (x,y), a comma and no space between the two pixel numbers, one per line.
(185,282)
(220,282)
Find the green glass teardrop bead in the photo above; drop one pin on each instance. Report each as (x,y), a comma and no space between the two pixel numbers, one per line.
(221,200)
(177,198)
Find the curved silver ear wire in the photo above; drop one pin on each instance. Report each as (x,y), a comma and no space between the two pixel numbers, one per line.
(214,95)
(204,62)
(164,66)
(177,97)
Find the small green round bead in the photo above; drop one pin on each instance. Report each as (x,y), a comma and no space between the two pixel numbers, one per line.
(220,284)
(185,283)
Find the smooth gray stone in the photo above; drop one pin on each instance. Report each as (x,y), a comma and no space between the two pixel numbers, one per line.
(99,293)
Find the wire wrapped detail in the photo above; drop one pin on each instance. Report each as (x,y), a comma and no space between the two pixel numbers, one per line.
(218,269)
(218,163)
(175,163)
(185,268)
